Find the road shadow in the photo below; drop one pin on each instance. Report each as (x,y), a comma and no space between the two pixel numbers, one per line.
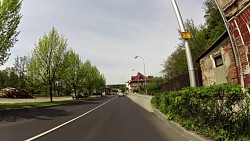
(31,113)
(42,113)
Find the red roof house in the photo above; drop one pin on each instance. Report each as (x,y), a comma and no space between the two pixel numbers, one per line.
(137,82)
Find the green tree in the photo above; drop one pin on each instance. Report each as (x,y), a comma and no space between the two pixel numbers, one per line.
(3,78)
(9,19)
(153,86)
(73,73)
(9,77)
(20,67)
(176,64)
(214,21)
(94,80)
(48,58)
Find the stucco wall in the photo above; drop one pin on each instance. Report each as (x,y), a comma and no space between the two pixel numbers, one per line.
(216,75)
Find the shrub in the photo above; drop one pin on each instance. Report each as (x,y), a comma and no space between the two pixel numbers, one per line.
(221,109)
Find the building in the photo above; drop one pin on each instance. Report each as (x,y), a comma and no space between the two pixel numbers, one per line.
(218,63)
(113,89)
(237,15)
(137,82)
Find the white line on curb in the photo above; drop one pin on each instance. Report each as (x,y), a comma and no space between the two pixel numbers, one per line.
(59,126)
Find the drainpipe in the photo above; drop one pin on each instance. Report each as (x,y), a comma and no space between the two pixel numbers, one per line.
(235,52)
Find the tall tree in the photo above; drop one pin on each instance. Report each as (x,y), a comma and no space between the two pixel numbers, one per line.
(3,78)
(20,67)
(94,80)
(73,73)
(214,21)
(9,19)
(9,77)
(48,58)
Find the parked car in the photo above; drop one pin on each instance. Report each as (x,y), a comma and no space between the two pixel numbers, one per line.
(79,95)
(120,94)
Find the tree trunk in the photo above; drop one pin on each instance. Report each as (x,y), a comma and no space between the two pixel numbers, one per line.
(50,92)
(75,92)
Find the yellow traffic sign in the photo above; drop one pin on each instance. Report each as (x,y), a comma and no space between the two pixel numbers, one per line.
(185,35)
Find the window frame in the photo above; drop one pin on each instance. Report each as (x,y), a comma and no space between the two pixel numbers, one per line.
(217,57)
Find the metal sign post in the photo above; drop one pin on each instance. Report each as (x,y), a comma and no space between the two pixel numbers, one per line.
(185,37)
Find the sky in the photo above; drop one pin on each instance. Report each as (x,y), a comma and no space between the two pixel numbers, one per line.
(109,33)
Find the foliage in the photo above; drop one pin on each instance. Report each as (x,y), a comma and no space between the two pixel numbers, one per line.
(214,21)
(9,19)
(94,81)
(72,64)
(20,67)
(8,78)
(53,69)
(48,58)
(175,64)
(221,111)
(123,88)
(153,86)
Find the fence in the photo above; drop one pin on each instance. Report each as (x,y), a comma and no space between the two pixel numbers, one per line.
(182,81)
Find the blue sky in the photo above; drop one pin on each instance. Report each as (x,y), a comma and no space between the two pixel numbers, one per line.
(109,33)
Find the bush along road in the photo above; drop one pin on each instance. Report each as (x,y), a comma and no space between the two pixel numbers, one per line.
(220,112)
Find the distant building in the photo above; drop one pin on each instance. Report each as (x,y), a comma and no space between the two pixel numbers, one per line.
(137,82)
(113,89)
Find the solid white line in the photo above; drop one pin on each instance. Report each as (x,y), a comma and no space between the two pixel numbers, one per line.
(59,126)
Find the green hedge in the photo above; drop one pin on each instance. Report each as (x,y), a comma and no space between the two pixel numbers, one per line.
(220,111)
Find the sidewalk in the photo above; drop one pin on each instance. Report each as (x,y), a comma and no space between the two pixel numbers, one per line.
(143,100)
(37,99)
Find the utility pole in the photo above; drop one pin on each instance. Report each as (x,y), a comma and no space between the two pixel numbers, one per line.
(185,37)
(145,81)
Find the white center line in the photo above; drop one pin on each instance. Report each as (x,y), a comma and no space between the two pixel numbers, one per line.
(59,126)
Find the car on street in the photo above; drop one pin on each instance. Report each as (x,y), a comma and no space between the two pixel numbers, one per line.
(79,95)
(120,94)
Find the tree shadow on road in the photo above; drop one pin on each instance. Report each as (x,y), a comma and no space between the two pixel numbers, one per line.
(41,113)
(32,113)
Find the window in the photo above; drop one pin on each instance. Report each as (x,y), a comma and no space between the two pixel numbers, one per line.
(218,61)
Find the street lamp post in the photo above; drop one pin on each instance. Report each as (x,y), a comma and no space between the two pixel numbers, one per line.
(187,48)
(145,81)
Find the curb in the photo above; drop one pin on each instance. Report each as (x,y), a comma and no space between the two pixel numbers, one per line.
(176,127)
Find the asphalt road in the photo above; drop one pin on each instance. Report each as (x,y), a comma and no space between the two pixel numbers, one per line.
(107,119)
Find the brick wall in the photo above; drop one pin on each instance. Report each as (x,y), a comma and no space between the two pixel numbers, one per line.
(241,34)
(232,72)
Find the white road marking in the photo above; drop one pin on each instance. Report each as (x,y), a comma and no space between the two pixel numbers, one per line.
(59,126)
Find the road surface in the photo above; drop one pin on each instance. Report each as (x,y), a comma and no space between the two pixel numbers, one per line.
(107,119)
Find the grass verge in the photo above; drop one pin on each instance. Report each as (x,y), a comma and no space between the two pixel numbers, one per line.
(8,106)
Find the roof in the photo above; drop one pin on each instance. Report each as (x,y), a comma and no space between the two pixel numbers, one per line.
(223,36)
(138,77)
